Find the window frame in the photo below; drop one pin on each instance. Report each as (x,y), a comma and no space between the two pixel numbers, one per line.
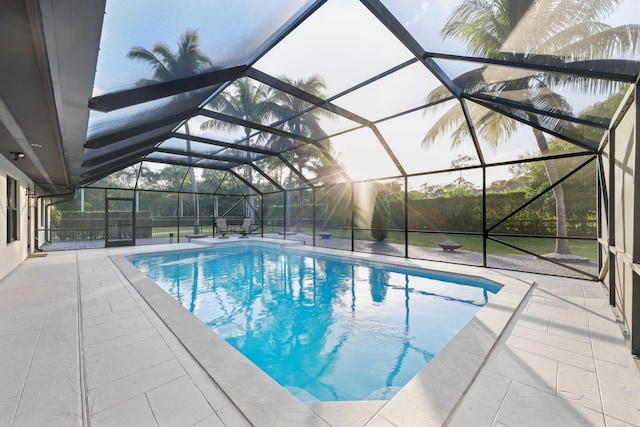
(12,210)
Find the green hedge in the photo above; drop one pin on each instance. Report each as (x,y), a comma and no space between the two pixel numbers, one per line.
(455,214)
(461,214)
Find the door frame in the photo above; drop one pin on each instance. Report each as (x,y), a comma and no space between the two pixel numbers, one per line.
(108,243)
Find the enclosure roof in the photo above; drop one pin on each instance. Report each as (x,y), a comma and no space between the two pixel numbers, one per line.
(280,94)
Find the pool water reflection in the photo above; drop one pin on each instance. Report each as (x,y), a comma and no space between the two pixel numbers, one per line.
(325,328)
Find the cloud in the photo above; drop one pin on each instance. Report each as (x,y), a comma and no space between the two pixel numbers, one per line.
(424,7)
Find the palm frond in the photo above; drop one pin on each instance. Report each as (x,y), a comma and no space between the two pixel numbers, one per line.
(613,42)
(469,81)
(557,42)
(474,22)
(566,13)
(491,126)
(448,123)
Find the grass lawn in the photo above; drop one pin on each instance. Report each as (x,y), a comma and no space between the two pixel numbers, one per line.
(583,248)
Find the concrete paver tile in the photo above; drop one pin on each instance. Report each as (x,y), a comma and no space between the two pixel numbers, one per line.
(214,395)
(566,355)
(50,381)
(620,388)
(7,410)
(525,367)
(551,340)
(482,402)
(569,314)
(380,421)
(525,406)
(119,341)
(16,353)
(116,328)
(12,380)
(193,406)
(230,416)
(111,394)
(111,365)
(65,413)
(614,422)
(579,386)
(110,316)
(346,414)
(212,420)
(131,413)
(574,331)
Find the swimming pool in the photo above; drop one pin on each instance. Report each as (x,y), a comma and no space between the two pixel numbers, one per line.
(323,327)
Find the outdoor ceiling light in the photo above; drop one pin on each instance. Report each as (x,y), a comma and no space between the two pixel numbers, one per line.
(17,155)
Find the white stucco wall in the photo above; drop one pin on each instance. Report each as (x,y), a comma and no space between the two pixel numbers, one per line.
(12,254)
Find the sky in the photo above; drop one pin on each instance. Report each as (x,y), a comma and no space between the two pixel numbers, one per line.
(341,41)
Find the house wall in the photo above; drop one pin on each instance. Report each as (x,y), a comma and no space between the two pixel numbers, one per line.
(12,254)
(621,231)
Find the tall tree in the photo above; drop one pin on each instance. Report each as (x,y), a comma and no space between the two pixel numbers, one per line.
(247,101)
(305,123)
(504,29)
(187,60)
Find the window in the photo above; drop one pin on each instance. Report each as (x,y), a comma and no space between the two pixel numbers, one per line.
(12,209)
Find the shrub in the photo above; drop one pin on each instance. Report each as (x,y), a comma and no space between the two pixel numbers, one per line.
(380,218)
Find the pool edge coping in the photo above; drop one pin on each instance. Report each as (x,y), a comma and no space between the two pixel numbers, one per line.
(245,384)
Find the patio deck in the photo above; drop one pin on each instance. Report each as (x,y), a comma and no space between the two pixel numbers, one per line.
(80,346)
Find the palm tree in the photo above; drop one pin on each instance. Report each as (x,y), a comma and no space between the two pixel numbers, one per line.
(187,60)
(246,101)
(505,29)
(300,122)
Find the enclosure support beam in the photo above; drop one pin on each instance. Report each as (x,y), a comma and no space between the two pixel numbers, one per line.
(178,216)
(612,216)
(635,250)
(284,214)
(406,217)
(352,216)
(313,216)
(484,216)
(261,215)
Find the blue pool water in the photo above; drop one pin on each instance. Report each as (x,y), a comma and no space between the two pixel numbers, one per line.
(325,328)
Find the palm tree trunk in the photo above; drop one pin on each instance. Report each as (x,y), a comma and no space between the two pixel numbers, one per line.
(194,188)
(562,244)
